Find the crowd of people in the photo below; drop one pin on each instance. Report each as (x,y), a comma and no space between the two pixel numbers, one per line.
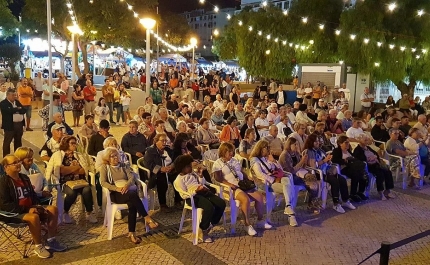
(258,146)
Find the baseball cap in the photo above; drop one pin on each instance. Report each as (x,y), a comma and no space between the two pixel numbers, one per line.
(57,127)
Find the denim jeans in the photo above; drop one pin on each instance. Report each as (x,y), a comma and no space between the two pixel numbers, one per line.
(110,106)
(119,113)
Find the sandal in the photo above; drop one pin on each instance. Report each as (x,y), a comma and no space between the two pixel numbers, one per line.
(135,239)
(151,223)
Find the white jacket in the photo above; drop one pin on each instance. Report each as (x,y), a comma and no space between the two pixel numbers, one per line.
(52,173)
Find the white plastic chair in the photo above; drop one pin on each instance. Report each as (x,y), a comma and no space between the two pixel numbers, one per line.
(324,186)
(134,167)
(151,192)
(111,208)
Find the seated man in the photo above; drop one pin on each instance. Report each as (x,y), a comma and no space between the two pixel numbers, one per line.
(395,123)
(379,132)
(198,112)
(95,144)
(240,113)
(53,144)
(353,132)
(134,142)
(25,206)
(275,143)
(405,127)
(184,115)
(169,122)
(58,119)
(347,121)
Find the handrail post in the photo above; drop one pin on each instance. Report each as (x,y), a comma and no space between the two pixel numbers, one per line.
(385,253)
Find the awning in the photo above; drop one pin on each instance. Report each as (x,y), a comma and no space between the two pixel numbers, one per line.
(45,54)
(231,63)
(172,57)
(203,61)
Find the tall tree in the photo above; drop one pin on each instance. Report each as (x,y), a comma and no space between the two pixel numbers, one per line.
(11,53)
(9,23)
(399,25)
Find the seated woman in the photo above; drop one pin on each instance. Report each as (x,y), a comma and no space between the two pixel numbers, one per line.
(217,117)
(395,147)
(146,127)
(111,142)
(212,205)
(352,168)
(381,172)
(32,171)
(266,170)
(206,136)
(227,170)
(25,206)
(415,144)
(246,145)
(291,161)
(318,158)
(229,111)
(300,135)
(158,161)
(89,128)
(207,113)
(230,133)
(68,165)
(123,190)
(325,142)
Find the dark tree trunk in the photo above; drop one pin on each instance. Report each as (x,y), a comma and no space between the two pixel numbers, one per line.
(407,88)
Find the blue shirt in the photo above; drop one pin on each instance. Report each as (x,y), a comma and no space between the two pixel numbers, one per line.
(346,124)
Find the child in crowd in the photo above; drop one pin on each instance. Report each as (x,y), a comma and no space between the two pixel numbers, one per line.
(126,99)
(102,110)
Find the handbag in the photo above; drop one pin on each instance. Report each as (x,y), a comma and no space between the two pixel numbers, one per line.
(77,184)
(244,184)
(274,173)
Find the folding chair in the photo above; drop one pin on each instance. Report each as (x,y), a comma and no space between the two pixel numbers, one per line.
(15,230)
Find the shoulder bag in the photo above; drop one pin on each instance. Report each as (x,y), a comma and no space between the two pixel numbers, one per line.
(244,184)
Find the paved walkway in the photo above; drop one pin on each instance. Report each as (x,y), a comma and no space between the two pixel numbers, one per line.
(328,238)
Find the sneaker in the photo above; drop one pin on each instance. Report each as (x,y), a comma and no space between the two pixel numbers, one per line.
(289,210)
(67,219)
(293,221)
(41,252)
(355,198)
(349,205)
(112,123)
(250,230)
(90,217)
(338,208)
(264,224)
(54,245)
(204,236)
(362,196)
(118,215)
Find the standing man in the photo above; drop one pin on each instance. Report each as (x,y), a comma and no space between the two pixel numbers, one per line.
(25,94)
(108,93)
(12,113)
(38,90)
(366,100)
(89,97)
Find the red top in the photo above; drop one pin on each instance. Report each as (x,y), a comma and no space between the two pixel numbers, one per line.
(143,79)
(89,93)
(195,87)
(23,193)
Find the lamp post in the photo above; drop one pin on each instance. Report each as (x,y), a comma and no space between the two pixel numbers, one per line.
(49,29)
(193,42)
(74,30)
(94,58)
(148,24)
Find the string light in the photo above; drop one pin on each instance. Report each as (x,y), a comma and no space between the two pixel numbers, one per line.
(337,32)
(392,6)
(305,20)
(352,36)
(321,26)
(366,41)
(420,12)
(159,38)
(71,12)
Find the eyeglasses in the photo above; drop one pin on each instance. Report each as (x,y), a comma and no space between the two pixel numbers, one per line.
(16,163)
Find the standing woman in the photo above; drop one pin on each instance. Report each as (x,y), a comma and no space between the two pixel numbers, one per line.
(120,182)
(118,102)
(233,96)
(300,93)
(213,90)
(228,171)
(78,104)
(205,87)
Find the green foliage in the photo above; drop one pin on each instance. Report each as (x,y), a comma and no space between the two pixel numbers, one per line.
(177,29)
(8,21)
(402,27)
(11,53)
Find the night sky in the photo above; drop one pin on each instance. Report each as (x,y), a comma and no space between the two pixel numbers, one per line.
(175,6)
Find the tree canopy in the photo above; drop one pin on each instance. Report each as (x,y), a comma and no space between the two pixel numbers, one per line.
(11,53)
(9,23)
(326,31)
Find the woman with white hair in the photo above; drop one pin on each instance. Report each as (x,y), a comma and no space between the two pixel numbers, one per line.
(381,172)
(111,142)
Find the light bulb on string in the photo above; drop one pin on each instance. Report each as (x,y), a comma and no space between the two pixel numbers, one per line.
(284,42)
(268,37)
(379,44)
(337,32)
(402,48)
(240,23)
(413,49)
(216,9)
(305,20)
(276,39)
(228,16)
(267,52)
(352,36)
(250,28)
(420,13)
(366,41)
(311,41)
(321,26)
(285,12)
(377,64)
(424,50)
(392,6)
(392,46)
(260,33)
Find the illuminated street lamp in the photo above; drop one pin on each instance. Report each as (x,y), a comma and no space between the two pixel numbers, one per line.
(148,24)
(193,42)
(74,30)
